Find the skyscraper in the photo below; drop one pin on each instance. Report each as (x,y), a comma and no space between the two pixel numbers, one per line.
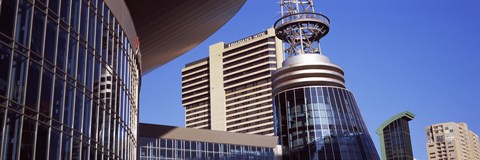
(315,116)
(394,134)
(231,89)
(452,141)
(70,71)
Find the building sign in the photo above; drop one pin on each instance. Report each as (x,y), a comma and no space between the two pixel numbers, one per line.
(245,40)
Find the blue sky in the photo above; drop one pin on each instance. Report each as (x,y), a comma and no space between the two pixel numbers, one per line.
(421,56)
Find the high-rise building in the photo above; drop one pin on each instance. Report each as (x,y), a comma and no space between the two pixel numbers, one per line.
(316,117)
(452,141)
(70,70)
(231,89)
(394,134)
(168,142)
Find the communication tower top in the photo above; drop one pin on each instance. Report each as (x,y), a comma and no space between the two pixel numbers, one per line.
(300,28)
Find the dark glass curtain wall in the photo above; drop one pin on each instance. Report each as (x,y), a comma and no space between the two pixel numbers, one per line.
(68,82)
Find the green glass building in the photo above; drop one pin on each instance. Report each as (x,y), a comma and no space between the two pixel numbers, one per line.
(394,136)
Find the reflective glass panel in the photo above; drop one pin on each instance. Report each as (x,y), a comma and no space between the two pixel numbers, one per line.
(17,83)
(23,22)
(38,32)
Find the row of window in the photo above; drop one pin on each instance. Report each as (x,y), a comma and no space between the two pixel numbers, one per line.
(167,148)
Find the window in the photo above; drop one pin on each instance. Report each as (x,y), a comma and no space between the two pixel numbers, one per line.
(78,111)
(58,99)
(32,85)
(12,133)
(17,83)
(68,107)
(7,17)
(75,14)
(84,20)
(28,135)
(5,55)
(65,11)
(72,57)
(62,49)
(45,100)
(23,22)
(38,32)
(50,41)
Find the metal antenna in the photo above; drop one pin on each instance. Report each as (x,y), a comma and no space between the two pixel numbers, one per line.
(300,28)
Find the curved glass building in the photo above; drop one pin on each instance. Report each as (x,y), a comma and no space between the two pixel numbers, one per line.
(69,81)
(315,116)
(70,72)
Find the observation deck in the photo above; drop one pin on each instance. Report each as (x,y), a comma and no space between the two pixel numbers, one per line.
(313,26)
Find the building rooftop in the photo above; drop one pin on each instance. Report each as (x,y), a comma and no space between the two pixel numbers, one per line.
(168,29)
(181,133)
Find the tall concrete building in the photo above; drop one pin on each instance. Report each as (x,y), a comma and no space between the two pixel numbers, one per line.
(231,89)
(452,141)
(395,143)
(316,117)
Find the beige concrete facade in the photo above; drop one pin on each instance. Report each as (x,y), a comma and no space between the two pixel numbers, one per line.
(239,85)
(452,141)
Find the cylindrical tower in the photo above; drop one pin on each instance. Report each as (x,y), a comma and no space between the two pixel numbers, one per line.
(315,116)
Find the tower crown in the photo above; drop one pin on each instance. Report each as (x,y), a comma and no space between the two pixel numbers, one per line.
(300,27)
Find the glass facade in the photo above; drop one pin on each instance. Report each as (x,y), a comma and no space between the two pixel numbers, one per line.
(157,148)
(69,81)
(397,140)
(321,123)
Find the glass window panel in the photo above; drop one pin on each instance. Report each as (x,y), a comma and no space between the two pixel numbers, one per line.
(75,14)
(45,100)
(72,57)
(100,125)
(94,121)
(23,22)
(86,119)
(67,113)
(104,42)
(66,145)
(38,32)
(84,20)
(106,134)
(78,111)
(17,83)
(169,143)
(58,99)
(81,64)
(7,17)
(12,135)
(2,115)
(53,6)
(91,29)
(62,49)
(65,10)
(50,40)
(28,135)
(33,82)
(89,72)
(42,142)
(54,150)
(98,37)
(76,149)
(85,150)
(5,56)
